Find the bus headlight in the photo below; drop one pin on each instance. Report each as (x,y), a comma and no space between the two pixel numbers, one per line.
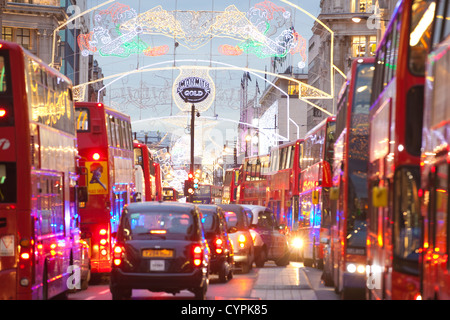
(359,268)
(297,243)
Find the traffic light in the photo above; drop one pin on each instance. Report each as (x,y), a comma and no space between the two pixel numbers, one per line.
(188,187)
(196,180)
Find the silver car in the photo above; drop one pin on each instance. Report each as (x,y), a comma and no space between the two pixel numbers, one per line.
(274,245)
(238,223)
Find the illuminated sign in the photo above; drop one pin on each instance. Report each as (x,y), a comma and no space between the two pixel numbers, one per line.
(193,85)
(193,89)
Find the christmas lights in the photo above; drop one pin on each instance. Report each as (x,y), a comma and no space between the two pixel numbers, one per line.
(117,31)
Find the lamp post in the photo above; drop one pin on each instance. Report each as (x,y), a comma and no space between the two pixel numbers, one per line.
(248,138)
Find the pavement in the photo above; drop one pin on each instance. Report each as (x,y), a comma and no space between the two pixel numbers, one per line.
(293,282)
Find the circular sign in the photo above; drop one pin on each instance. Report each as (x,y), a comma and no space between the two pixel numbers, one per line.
(193,85)
(193,89)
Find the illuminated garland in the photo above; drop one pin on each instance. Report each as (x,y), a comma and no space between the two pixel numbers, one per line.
(265,30)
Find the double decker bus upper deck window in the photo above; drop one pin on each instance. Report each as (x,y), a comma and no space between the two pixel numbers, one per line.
(421,25)
(82,118)
(6,98)
(4,75)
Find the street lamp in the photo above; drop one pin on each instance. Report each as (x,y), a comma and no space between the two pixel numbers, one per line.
(359,18)
(248,138)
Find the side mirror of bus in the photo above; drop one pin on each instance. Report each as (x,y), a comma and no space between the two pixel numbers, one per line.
(82,194)
(82,171)
(334,193)
(379,197)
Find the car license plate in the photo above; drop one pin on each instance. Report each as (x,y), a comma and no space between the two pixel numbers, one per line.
(157,265)
(157,253)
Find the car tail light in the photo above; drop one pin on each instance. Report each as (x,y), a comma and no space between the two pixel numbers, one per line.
(197,255)
(242,240)
(119,251)
(219,245)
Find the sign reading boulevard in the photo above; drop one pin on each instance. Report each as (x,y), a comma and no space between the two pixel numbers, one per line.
(193,89)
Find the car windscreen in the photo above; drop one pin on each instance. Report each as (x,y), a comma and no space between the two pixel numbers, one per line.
(168,225)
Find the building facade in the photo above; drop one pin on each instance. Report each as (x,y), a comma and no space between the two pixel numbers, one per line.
(357,26)
(35,25)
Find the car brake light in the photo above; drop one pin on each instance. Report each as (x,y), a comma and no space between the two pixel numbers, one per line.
(219,243)
(242,240)
(162,231)
(118,255)
(2,112)
(198,255)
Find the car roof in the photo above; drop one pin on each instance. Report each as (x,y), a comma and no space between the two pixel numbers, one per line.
(160,206)
(208,207)
(256,207)
(231,207)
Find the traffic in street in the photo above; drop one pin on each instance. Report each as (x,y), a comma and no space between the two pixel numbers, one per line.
(293,282)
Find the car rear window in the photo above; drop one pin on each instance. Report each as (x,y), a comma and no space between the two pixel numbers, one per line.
(209,219)
(236,219)
(169,225)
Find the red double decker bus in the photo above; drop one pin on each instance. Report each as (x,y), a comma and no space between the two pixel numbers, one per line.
(39,226)
(394,227)
(344,266)
(105,146)
(230,186)
(315,158)
(170,194)
(435,161)
(283,180)
(148,180)
(252,185)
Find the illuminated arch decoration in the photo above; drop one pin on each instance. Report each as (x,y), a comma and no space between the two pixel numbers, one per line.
(266,30)
(306,92)
(229,50)
(107,38)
